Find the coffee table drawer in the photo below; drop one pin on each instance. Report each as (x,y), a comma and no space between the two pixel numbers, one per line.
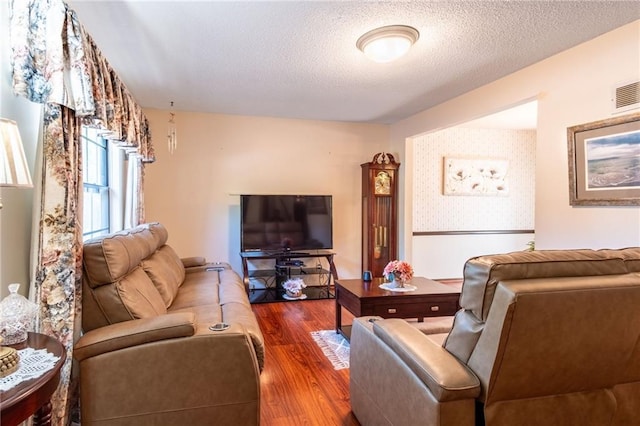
(414,310)
(360,298)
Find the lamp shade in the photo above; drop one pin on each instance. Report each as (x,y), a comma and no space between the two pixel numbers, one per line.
(13,164)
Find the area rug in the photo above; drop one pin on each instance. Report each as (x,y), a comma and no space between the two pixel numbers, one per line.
(334,346)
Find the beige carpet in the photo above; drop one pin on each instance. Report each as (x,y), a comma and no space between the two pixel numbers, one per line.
(334,346)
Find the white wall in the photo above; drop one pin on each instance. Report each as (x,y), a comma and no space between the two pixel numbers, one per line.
(573,87)
(443,256)
(434,211)
(195,191)
(15,216)
(440,255)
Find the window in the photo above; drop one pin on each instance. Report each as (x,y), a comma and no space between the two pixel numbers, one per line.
(95,178)
(110,184)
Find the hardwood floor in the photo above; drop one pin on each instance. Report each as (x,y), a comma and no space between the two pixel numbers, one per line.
(299,385)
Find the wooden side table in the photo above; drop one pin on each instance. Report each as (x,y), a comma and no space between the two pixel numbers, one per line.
(33,397)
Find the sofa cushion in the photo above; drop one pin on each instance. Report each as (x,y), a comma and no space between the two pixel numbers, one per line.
(139,296)
(232,288)
(482,274)
(166,271)
(158,231)
(199,288)
(630,255)
(132,297)
(107,259)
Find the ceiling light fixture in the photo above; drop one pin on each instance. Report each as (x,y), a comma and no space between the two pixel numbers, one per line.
(386,44)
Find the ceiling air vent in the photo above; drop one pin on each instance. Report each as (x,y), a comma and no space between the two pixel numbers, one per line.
(626,97)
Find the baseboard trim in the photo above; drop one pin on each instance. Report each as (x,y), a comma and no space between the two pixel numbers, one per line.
(479,232)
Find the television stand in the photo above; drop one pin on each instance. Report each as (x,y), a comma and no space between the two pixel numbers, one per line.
(287,265)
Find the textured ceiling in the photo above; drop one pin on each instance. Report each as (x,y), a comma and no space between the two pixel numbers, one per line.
(298,59)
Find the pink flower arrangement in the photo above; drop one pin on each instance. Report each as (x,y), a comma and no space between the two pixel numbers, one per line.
(398,269)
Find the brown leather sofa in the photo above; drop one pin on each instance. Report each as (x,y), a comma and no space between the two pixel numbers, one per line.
(543,338)
(148,354)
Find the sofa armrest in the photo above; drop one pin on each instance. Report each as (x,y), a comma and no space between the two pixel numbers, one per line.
(133,333)
(210,377)
(190,262)
(383,386)
(446,377)
(199,264)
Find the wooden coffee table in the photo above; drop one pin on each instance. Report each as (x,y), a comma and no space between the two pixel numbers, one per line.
(361,298)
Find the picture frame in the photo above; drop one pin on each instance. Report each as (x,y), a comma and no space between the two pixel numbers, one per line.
(604,162)
(475,176)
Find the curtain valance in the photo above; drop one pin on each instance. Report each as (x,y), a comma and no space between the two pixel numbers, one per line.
(55,60)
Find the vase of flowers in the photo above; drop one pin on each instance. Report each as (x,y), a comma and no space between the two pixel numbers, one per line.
(398,272)
(293,287)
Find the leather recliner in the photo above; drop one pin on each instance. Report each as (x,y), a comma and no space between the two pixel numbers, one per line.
(543,338)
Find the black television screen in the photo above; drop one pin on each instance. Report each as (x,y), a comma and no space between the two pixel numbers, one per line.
(286,222)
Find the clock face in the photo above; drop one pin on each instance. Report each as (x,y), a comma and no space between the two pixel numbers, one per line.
(383,183)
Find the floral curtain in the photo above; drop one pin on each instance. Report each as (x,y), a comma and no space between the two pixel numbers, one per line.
(133,213)
(55,60)
(56,63)
(57,285)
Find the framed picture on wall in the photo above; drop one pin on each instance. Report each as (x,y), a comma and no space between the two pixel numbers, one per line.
(604,162)
(475,176)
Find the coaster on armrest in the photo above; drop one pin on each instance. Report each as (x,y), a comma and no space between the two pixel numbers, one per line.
(220,326)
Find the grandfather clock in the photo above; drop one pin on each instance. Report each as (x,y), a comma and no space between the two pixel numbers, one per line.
(379,213)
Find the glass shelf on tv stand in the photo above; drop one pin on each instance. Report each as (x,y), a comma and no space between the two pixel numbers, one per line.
(284,269)
(266,295)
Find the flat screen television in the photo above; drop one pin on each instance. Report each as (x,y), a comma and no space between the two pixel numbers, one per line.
(284,223)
